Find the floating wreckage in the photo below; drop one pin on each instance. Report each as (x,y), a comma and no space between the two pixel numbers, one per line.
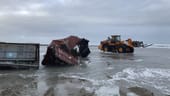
(66,51)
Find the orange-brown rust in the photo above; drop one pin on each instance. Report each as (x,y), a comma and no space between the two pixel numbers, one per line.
(63,51)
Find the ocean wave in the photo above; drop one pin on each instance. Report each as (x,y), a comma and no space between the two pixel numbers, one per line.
(160,46)
(100,87)
(107,87)
(157,78)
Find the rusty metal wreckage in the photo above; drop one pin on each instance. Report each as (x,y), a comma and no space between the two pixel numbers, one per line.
(66,51)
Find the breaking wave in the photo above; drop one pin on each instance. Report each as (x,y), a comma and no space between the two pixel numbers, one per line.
(152,77)
(100,87)
(157,78)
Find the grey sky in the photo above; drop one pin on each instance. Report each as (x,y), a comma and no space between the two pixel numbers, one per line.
(44,20)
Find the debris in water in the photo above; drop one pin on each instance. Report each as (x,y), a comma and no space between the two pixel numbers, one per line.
(66,51)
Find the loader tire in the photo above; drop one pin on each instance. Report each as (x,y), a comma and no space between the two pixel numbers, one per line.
(105,48)
(129,49)
(121,49)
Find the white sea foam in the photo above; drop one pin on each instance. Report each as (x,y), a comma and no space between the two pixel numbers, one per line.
(138,60)
(160,46)
(110,68)
(105,87)
(157,78)
(108,91)
(153,77)
(101,87)
(131,94)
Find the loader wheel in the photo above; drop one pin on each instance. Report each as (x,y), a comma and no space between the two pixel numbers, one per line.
(129,49)
(105,49)
(121,49)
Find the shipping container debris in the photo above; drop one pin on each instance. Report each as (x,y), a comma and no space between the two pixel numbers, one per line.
(66,51)
(19,55)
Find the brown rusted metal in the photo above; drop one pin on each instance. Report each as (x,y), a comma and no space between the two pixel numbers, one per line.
(65,51)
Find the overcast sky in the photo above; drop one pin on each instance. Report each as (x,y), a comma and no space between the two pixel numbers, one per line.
(40,21)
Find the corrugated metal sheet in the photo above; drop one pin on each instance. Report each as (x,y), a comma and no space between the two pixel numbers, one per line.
(19,54)
(70,42)
(68,58)
(66,51)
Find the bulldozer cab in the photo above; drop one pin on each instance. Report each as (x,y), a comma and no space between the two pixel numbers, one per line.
(115,38)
